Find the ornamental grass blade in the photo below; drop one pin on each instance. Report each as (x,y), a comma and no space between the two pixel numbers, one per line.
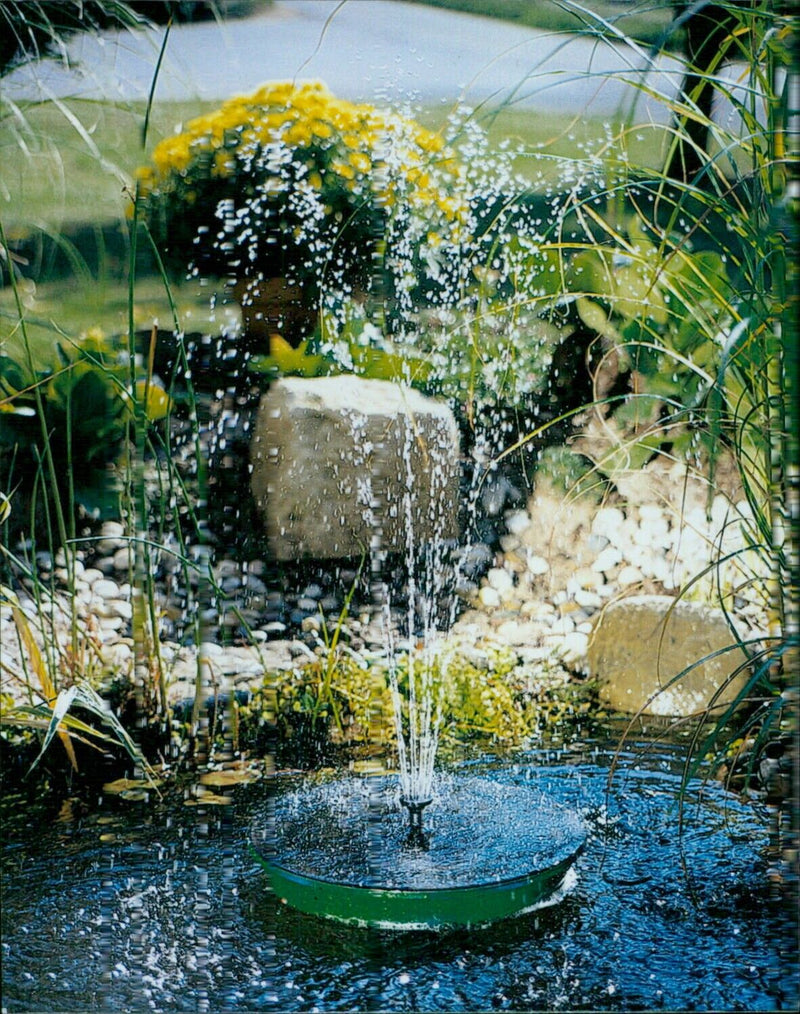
(39,666)
(61,706)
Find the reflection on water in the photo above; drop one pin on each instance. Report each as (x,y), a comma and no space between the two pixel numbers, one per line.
(159,906)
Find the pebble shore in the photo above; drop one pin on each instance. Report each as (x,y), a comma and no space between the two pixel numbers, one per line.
(536,593)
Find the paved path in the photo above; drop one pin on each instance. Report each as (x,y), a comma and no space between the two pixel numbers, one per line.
(382,50)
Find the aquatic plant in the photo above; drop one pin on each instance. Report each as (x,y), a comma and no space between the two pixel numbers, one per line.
(79,386)
(56,676)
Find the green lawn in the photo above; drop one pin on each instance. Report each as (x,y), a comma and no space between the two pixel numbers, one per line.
(63,308)
(72,163)
(68,165)
(643,20)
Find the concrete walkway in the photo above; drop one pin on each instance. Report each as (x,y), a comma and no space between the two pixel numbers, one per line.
(377,50)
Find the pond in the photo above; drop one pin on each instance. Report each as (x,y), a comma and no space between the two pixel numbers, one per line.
(158,905)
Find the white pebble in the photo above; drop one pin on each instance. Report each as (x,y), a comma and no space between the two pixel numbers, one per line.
(517,522)
(106,589)
(607,560)
(122,559)
(537,565)
(588,599)
(607,521)
(500,579)
(629,575)
(508,543)
(574,646)
(121,608)
(489,597)
(563,625)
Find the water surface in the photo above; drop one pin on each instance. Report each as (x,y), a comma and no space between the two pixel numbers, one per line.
(157,905)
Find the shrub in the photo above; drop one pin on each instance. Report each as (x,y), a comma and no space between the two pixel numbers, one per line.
(293,182)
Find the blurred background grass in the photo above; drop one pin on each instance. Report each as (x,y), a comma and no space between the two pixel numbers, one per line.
(643,20)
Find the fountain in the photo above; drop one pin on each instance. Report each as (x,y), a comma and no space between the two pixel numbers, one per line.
(345,850)
(421,850)
(388,248)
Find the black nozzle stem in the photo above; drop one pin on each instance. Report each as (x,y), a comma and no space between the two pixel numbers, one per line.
(415,808)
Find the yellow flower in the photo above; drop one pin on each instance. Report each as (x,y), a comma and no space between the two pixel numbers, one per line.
(223,163)
(360,161)
(344,169)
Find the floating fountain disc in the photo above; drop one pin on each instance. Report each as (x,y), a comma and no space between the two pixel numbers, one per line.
(344,850)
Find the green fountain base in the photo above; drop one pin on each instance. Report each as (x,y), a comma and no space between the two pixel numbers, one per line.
(343,851)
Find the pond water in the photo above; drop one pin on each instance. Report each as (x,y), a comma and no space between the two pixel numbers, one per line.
(162,906)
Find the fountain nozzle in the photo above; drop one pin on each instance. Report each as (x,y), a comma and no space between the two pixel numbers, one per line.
(416,838)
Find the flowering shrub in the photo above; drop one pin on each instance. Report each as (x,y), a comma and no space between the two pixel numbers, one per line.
(292,182)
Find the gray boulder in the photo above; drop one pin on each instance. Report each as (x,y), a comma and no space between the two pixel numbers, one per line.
(638,646)
(342,464)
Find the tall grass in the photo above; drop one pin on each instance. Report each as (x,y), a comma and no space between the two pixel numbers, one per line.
(686,279)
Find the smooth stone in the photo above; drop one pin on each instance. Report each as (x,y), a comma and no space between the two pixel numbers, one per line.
(517,522)
(106,589)
(120,607)
(562,625)
(537,565)
(122,559)
(275,627)
(587,599)
(629,575)
(110,623)
(607,560)
(607,521)
(516,633)
(597,543)
(209,649)
(574,646)
(639,644)
(536,610)
(651,533)
(77,557)
(587,578)
(489,597)
(500,580)
(299,649)
(332,457)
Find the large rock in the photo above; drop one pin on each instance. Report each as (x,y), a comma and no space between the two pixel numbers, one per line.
(638,646)
(341,463)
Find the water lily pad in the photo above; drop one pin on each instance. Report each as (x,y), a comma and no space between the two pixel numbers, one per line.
(212,799)
(125,784)
(229,777)
(134,795)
